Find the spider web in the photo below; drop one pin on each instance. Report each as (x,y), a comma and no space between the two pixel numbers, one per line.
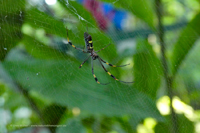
(43,81)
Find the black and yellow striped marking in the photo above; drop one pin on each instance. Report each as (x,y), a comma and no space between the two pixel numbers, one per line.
(113,65)
(96,78)
(72,44)
(111,74)
(84,61)
(90,41)
(76,47)
(115,77)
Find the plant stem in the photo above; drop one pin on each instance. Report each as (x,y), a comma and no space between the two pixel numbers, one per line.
(168,79)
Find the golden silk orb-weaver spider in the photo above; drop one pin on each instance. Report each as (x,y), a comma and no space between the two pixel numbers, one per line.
(94,55)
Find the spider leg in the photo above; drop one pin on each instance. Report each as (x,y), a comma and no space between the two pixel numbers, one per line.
(84,62)
(110,73)
(113,65)
(72,44)
(95,76)
(103,48)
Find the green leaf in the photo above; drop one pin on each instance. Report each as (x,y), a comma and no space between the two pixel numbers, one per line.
(40,50)
(52,118)
(39,19)
(64,83)
(79,11)
(184,125)
(11,6)
(14,100)
(127,124)
(11,20)
(2,88)
(185,43)
(161,128)
(52,115)
(147,69)
(143,9)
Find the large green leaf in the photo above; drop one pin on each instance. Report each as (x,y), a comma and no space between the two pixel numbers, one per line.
(64,83)
(143,9)
(185,43)
(147,69)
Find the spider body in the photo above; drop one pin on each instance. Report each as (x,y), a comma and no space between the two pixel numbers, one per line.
(94,55)
(89,46)
(88,42)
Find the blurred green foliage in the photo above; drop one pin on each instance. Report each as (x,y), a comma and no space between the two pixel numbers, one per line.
(43,76)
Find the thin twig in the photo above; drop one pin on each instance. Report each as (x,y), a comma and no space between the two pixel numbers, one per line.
(168,79)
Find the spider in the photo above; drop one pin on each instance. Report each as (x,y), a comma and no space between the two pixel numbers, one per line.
(94,55)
